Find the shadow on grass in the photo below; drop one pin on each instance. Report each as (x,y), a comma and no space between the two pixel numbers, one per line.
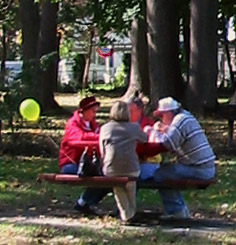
(199,224)
(109,231)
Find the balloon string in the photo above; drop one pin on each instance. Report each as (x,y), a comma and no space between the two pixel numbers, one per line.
(55,144)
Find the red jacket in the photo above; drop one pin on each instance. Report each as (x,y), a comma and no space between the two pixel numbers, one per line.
(145,121)
(75,132)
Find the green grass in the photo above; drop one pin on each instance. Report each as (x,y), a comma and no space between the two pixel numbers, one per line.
(31,234)
(19,188)
(218,198)
(21,195)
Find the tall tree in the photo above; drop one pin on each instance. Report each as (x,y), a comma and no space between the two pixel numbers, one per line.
(184,16)
(47,51)
(88,58)
(3,56)
(128,18)
(201,90)
(7,25)
(163,41)
(228,10)
(40,49)
(30,21)
(139,74)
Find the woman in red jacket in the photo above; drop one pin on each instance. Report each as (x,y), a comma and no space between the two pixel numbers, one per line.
(79,128)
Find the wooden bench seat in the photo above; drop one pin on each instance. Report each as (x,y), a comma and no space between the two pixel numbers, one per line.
(109,182)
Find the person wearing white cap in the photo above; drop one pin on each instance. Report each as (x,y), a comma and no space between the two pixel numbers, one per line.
(180,132)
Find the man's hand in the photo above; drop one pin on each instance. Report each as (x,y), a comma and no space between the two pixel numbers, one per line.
(160,127)
(147,129)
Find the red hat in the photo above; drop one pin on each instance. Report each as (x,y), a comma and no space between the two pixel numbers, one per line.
(87,102)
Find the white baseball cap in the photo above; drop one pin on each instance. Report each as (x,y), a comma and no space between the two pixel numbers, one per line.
(166,104)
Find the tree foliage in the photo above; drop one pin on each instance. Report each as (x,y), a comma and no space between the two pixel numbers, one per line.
(75,20)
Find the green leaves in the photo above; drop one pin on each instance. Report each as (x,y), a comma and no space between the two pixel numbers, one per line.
(47,59)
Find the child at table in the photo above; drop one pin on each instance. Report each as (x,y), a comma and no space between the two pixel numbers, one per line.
(117,143)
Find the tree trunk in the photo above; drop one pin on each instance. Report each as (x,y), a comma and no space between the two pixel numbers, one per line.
(30,21)
(0,133)
(231,73)
(29,15)
(57,62)
(4,55)
(139,74)
(186,36)
(163,41)
(227,52)
(202,92)
(47,44)
(88,60)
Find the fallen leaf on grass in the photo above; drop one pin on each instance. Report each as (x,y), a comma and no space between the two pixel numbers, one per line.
(54,201)
(222,212)
(15,184)
(32,208)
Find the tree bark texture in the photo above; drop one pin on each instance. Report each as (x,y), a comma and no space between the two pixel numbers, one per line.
(163,41)
(202,92)
(139,74)
(186,36)
(88,60)
(30,21)
(0,133)
(4,56)
(47,44)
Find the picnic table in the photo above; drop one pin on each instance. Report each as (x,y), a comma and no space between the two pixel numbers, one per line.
(108,182)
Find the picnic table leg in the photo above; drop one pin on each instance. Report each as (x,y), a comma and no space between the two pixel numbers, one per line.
(230,132)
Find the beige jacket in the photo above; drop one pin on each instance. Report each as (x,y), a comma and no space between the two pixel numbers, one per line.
(117,143)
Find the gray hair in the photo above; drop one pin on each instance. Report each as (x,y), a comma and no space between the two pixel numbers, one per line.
(119,111)
(137,101)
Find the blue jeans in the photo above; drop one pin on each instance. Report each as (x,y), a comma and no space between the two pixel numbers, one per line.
(173,200)
(91,196)
(147,170)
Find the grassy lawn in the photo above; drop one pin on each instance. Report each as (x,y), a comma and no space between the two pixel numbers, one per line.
(22,198)
(51,235)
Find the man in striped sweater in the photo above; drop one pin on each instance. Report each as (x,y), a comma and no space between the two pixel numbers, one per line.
(180,133)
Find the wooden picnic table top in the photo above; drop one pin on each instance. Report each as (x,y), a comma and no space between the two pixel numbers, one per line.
(144,150)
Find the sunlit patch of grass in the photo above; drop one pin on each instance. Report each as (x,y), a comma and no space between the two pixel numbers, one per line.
(219,197)
(20,192)
(37,234)
(33,234)
(19,188)
(223,100)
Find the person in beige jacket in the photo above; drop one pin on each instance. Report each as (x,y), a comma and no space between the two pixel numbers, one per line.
(117,142)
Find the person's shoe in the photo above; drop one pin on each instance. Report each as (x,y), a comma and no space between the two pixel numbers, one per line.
(184,214)
(135,220)
(114,213)
(84,209)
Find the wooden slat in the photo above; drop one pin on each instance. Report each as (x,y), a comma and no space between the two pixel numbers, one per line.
(108,182)
(96,181)
(177,184)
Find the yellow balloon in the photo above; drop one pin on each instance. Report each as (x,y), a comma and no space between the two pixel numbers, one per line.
(30,110)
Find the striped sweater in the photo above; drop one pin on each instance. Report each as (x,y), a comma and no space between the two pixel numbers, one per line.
(186,138)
